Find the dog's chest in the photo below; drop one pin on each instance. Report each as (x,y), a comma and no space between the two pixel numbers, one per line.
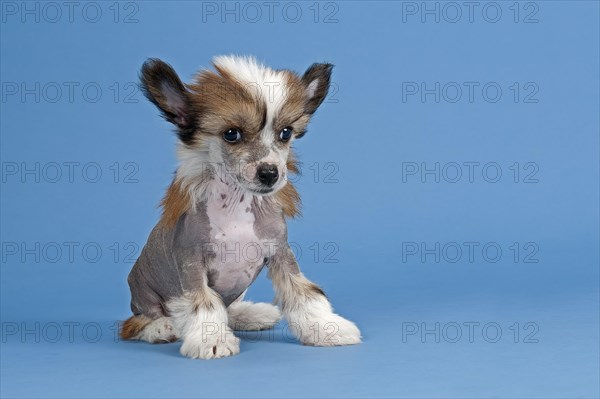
(238,240)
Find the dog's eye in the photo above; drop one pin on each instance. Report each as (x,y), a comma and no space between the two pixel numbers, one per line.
(232,135)
(285,134)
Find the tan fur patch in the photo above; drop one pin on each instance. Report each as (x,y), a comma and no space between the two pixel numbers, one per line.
(223,102)
(288,197)
(175,203)
(289,200)
(133,326)
(292,162)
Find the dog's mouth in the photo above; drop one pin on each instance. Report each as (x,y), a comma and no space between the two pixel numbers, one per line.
(262,191)
(256,189)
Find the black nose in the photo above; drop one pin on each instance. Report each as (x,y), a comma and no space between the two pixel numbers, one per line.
(267,174)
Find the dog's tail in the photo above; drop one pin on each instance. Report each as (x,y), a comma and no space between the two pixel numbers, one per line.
(133,326)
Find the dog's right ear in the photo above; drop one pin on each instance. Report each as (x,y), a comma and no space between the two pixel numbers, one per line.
(161,85)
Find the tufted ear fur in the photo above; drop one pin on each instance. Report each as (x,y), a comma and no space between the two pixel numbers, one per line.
(161,85)
(316,80)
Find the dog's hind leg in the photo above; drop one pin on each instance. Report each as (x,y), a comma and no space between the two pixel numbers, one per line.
(252,316)
(155,331)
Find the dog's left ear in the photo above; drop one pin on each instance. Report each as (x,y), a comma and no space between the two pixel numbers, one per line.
(316,80)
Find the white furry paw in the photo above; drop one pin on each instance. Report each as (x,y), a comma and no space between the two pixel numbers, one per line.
(248,316)
(331,330)
(211,346)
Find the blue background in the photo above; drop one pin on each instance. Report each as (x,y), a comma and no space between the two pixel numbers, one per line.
(360,210)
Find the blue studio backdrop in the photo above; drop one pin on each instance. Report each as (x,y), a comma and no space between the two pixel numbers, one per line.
(449,182)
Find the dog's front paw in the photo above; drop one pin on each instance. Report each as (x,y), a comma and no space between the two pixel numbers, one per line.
(211,346)
(332,330)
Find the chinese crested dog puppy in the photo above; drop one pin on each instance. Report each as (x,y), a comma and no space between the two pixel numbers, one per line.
(224,213)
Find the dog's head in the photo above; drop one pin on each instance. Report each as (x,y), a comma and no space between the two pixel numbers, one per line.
(238,121)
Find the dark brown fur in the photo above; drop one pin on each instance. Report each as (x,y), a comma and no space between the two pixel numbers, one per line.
(222,102)
(289,200)
(133,326)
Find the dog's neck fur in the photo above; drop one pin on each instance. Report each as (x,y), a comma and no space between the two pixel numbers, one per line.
(204,175)
(200,177)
